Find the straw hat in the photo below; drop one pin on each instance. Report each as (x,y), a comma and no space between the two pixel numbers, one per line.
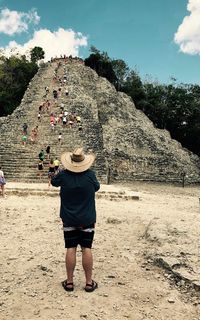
(77,161)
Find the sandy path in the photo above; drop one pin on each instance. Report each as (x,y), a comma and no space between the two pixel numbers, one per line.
(32,258)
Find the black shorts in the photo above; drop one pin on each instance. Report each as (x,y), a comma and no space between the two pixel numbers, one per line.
(82,236)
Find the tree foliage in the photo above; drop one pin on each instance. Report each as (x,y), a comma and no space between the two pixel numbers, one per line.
(175,107)
(133,87)
(15,74)
(121,71)
(37,53)
(117,72)
(100,62)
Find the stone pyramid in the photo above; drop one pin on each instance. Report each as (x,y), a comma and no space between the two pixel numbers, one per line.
(127,145)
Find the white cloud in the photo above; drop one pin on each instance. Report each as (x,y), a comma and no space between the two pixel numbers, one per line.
(54,43)
(188,33)
(12,22)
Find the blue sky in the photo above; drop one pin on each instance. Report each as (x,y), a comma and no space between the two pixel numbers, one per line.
(158,38)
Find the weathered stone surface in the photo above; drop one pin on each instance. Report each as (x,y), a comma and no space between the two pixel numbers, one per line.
(127,145)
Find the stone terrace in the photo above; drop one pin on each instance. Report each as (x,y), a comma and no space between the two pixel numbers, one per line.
(126,143)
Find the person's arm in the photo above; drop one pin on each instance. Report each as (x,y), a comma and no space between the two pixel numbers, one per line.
(95,182)
(56,180)
(97,185)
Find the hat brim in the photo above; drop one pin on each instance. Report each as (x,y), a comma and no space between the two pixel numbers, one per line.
(73,166)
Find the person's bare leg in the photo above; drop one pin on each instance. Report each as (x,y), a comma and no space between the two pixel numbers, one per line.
(87,262)
(70,261)
(3,191)
(49,182)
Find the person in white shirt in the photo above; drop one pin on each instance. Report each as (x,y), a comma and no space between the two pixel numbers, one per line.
(60,137)
(64,120)
(2,182)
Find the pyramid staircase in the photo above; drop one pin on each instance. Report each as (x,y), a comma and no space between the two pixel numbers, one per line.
(19,162)
(125,141)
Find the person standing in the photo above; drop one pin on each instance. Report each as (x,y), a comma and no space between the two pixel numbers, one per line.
(48,148)
(24,140)
(41,155)
(46,90)
(25,129)
(64,121)
(34,134)
(39,116)
(66,91)
(51,171)
(78,213)
(60,138)
(78,119)
(2,182)
(40,168)
(56,164)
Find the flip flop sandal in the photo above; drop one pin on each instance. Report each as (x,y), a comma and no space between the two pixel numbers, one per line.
(90,287)
(68,286)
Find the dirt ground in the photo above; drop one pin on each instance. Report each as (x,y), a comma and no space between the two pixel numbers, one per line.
(146,257)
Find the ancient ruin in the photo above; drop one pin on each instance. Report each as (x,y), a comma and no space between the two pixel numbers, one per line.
(127,145)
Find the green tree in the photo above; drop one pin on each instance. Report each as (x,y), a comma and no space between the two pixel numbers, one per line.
(121,71)
(37,53)
(155,105)
(15,74)
(94,50)
(101,63)
(175,107)
(133,86)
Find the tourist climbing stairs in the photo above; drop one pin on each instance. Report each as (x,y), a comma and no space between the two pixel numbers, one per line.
(20,162)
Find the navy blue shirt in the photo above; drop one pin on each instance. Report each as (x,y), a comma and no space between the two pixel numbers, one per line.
(77,194)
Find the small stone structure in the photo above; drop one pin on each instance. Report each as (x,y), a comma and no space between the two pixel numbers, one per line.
(127,145)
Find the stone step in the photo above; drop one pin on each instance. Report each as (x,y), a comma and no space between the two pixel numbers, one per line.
(96,100)
(113,196)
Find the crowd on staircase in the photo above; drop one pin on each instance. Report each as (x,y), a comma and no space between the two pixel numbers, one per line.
(53,107)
